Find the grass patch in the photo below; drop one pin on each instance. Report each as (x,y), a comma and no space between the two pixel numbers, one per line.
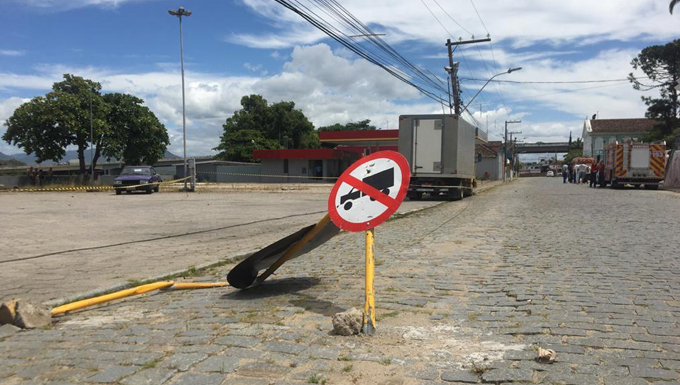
(380,317)
(315,379)
(151,364)
(344,358)
(249,318)
(386,361)
(347,368)
(479,369)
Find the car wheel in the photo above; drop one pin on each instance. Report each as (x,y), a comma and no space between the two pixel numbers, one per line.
(128,192)
(118,192)
(157,188)
(149,190)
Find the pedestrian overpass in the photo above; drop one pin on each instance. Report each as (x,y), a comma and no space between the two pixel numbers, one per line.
(542,148)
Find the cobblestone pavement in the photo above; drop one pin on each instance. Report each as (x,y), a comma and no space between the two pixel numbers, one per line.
(465,293)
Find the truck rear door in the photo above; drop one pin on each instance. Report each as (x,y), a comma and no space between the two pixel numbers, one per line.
(639,157)
(427,146)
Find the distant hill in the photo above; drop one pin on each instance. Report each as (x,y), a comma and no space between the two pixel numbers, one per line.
(70,155)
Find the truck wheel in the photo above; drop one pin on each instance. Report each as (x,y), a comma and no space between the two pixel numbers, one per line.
(118,192)
(651,187)
(416,196)
(454,194)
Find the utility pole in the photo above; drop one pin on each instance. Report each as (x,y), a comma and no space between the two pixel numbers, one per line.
(513,143)
(91,142)
(452,69)
(505,147)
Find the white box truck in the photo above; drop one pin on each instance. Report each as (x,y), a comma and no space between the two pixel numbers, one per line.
(441,152)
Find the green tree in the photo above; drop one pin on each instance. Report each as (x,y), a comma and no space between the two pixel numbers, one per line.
(123,128)
(351,126)
(46,125)
(135,136)
(661,65)
(258,125)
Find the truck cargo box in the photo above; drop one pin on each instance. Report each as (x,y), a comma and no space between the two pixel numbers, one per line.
(441,146)
(441,152)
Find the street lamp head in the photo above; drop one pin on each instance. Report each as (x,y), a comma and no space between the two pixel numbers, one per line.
(180,12)
(511,70)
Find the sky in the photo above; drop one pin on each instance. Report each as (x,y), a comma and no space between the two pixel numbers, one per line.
(239,47)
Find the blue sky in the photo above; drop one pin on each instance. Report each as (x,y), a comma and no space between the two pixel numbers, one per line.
(234,48)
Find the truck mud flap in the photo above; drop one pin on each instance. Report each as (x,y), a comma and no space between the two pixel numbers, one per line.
(245,273)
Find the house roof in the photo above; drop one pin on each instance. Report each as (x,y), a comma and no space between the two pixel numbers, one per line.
(495,145)
(485,150)
(627,126)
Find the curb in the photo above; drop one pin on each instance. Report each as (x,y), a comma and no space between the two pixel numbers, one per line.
(177,273)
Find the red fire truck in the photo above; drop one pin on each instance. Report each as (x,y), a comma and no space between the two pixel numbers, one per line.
(635,163)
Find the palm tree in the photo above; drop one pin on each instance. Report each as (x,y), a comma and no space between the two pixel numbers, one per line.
(673,3)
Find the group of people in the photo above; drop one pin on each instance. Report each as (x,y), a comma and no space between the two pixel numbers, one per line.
(38,177)
(582,173)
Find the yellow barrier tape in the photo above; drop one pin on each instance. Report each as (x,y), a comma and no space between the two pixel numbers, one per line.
(90,188)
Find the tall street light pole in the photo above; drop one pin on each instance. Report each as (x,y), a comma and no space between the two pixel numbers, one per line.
(179,13)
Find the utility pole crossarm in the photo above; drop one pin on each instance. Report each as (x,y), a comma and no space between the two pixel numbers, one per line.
(463,42)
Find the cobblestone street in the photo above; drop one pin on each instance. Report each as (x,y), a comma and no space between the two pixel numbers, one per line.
(465,293)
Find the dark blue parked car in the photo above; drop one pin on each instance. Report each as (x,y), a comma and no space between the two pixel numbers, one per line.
(142,178)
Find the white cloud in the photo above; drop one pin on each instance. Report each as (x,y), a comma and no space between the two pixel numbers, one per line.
(7,107)
(327,87)
(60,5)
(11,52)
(522,23)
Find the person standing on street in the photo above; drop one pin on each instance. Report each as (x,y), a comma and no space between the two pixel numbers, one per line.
(600,176)
(565,174)
(593,173)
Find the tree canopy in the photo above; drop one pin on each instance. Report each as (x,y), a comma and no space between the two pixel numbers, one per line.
(122,127)
(351,126)
(135,134)
(661,65)
(259,125)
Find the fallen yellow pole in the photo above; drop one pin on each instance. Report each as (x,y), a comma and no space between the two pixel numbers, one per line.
(369,308)
(315,230)
(199,285)
(110,297)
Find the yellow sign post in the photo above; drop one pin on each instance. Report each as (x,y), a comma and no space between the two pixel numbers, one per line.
(369,308)
(364,196)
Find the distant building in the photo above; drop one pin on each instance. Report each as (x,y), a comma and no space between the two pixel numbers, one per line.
(490,164)
(598,133)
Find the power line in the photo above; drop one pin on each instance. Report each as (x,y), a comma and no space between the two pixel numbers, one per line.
(480,17)
(375,50)
(499,88)
(554,82)
(452,19)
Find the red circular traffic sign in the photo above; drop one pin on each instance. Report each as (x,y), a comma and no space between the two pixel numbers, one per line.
(369,191)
